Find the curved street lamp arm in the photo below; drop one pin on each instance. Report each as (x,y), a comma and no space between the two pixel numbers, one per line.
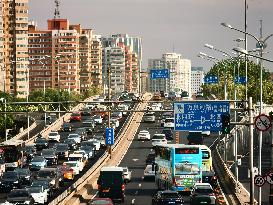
(267,37)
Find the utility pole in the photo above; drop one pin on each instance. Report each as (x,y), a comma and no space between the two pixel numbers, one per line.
(109,107)
(250,111)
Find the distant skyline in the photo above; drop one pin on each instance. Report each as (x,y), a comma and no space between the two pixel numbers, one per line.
(166,25)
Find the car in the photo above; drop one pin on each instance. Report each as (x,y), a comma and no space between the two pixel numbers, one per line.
(144,135)
(127,175)
(77,157)
(149,171)
(168,132)
(89,151)
(62,150)
(39,194)
(157,97)
(72,144)
(68,172)
(167,197)
(53,175)
(89,124)
(83,153)
(150,159)
(43,183)
(82,132)
(54,136)
(95,142)
(75,116)
(41,143)
(123,108)
(101,139)
(50,155)
(97,119)
(74,166)
(75,137)
(115,121)
(159,139)
(117,115)
(86,111)
(205,133)
(149,117)
(169,123)
(202,193)
(164,116)
(67,127)
(20,196)
(37,163)
(210,177)
(9,181)
(25,175)
(101,201)
(29,151)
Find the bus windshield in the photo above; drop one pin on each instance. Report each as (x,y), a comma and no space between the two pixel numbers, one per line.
(186,168)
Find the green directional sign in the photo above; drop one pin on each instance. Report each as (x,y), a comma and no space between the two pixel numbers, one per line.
(188,182)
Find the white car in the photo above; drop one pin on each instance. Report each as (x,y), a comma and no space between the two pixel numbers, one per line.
(97,119)
(54,136)
(75,165)
(149,117)
(149,171)
(78,158)
(95,142)
(127,174)
(159,139)
(101,139)
(144,135)
(123,107)
(75,137)
(39,194)
(84,154)
(168,123)
(115,121)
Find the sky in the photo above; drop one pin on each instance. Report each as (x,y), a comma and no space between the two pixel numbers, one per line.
(182,26)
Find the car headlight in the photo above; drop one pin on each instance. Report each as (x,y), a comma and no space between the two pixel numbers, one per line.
(27,202)
(16,182)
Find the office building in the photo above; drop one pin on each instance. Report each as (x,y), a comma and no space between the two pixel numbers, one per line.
(197,79)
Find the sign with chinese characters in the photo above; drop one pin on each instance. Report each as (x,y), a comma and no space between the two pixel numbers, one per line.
(159,73)
(211,79)
(109,138)
(199,116)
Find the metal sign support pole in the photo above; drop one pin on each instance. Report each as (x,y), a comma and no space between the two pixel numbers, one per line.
(109,107)
(251,151)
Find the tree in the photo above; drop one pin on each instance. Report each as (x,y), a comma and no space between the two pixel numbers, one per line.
(253,74)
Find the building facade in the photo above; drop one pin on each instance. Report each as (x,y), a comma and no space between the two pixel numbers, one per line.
(14,47)
(179,73)
(197,79)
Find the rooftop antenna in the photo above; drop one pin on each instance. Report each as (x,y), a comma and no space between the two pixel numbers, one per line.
(57,11)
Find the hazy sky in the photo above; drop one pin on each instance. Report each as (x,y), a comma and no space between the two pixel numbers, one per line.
(164,25)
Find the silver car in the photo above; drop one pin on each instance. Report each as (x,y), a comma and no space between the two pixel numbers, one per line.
(149,117)
(202,193)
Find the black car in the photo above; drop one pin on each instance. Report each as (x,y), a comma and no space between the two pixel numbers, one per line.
(71,144)
(20,196)
(9,181)
(41,143)
(53,175)
(209,177)
(167,197)
(50,155)
(85,112)
(168,133)
(62,150)
(67,127)
(29,151)
(25,175)
(45,183)
(82,132)
(150,159)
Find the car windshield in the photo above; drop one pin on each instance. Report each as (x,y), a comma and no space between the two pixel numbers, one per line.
(100,201)
(9,175)
(22,171)
(37,159)
(61,147)
(18,193)
(48,152)
(39,183)
(71,164)
(35,189)
(69,141)
(204,191)
(97,117)
(74,158)
(46,174)
(53,134)
(73,136)
(169,120)
(41,140)
(158,137)
(170,195)
(149,114)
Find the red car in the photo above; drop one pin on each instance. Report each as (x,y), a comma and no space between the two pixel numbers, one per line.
(101,201)
(75,117)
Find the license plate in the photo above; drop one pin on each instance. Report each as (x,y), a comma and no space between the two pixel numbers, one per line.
(105,190)
(203,202)
(171,202)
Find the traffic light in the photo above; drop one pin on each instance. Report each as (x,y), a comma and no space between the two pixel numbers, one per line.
(225,123)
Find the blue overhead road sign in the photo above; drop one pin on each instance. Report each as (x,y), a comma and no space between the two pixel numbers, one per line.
(211,79)
(109,136)
(240,80)
(159,73)
(199,116)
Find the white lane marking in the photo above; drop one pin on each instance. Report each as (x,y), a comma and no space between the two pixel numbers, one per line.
(133,201)
(136,193)
(135,160)
(139,185)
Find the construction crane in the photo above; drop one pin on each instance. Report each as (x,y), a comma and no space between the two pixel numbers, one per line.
(57,11)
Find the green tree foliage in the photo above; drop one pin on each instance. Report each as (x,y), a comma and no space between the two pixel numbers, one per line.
(236,67)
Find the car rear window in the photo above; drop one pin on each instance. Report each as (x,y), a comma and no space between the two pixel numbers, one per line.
(158,137)
(204,191)
(170,195)
(109,177)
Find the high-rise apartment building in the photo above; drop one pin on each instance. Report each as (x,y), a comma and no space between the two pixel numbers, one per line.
(64,57)
(179,70)
(14,47)
(197,79)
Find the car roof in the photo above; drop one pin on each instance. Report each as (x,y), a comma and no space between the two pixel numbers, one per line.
(111,168)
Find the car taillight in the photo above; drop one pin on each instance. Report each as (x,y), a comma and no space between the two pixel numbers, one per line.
(123,187)
(98,186)
(214,177)
(71,170)
(212,194)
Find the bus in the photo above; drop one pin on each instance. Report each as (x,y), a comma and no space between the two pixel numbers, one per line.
(206,157)
(177,167)
(11,152)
